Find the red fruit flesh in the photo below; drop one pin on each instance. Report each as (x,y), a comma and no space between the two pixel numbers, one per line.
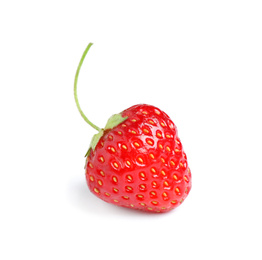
(140,163)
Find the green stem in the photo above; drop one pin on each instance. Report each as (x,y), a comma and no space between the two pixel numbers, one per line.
(75,88)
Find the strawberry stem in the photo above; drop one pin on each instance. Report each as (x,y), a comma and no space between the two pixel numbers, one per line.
(75,88)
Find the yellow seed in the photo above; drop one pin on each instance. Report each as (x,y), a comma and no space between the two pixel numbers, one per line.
(101,158)
(145,131)
(100,182)
(151,122)
(162,160)
(136,144)
(133,120)
(107,194)
(114,179)
(163,208)
(160,146)
(173,201)
(110,137)
(175,177)
(119,132)
(149,142)
(142,204)
(102,173)
(159,135)
(133,132)
(168,149)
(142,175)
(153,170)
(123,125)
(154,183)
(166,183)
(91,178)
(177,150)
(140,196)
(132,205)
(172,163)
(177,190)
(149,208)
(162,124)
(185,178)
(96,190)
(153,193)
(154,202)
(145,112)
(116,164)
(115,200)
(128,163)
(140,160)
(115,189)
(113,149)
(157,112)
(91,165)
(125,197)
(142,186)
(129,177)
(163,173)
(129,188)
(152,156)
(124,147)
(168,136)
(164,194)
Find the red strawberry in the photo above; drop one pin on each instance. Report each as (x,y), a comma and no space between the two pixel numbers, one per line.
(137,161)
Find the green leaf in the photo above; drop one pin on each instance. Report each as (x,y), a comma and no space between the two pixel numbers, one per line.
(96,139)
(114,120)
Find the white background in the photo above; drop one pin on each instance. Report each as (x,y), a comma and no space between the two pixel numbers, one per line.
(199,61)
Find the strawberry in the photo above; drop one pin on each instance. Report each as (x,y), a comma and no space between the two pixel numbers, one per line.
(137,160)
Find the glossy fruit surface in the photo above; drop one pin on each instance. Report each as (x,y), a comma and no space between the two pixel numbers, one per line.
(140,163)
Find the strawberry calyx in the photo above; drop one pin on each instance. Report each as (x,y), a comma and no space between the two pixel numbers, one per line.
(112,122)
